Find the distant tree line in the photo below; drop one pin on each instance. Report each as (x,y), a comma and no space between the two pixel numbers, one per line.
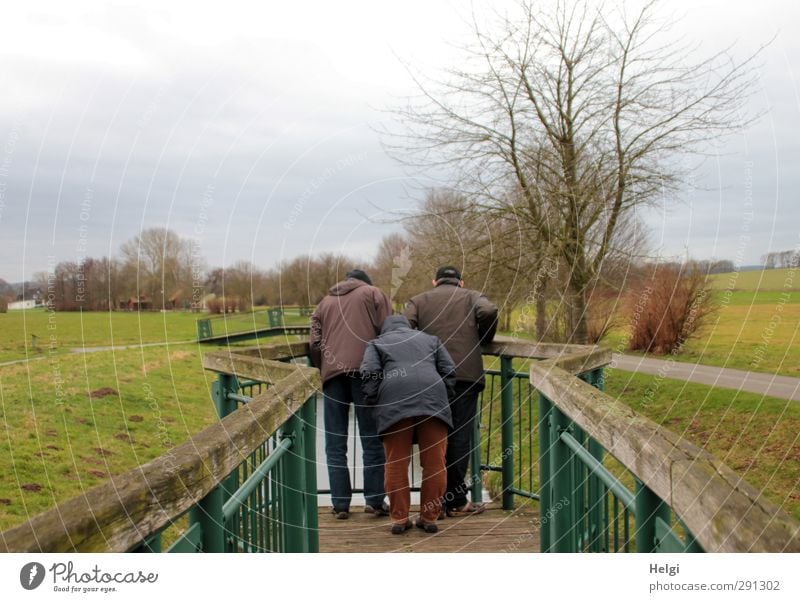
(781,259)
(160,270)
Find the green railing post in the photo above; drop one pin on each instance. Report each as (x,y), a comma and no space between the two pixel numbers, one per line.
(597,496)
(275,317)
(648,507)
(309,416)
(580,483)
(545,490)
(208,513)
(562,485)
(204,329)
(293,499)
(476,491)
(225,384)
(507,432)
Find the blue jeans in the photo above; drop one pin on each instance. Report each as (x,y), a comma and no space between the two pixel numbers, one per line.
(340,391)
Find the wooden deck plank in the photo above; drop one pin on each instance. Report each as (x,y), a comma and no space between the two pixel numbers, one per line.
(495,530)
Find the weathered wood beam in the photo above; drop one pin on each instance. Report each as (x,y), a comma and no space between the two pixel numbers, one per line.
(274,351)
(119,514)
(591,356)
(723,512)
(250,367)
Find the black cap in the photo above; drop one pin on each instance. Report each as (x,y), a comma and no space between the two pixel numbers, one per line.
(359,275)
(448,271)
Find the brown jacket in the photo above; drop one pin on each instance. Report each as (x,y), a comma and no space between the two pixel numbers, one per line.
(461,318)
(348,318)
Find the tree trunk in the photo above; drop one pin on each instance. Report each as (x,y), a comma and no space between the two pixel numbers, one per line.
(541,315)
(579,330)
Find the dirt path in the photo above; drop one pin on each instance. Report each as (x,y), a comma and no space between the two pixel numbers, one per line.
(783,387)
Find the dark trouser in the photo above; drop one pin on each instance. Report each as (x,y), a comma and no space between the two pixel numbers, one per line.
(340,391)
(432,438)
(459,443)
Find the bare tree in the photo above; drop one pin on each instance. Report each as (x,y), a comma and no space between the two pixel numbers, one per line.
(160,263)
(305,280)
(488,248)
(569,118)
(242,280)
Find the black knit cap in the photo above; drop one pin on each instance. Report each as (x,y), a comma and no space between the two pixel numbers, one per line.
(448,271)
(359,275)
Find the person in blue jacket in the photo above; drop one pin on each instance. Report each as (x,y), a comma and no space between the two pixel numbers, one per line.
(408,377)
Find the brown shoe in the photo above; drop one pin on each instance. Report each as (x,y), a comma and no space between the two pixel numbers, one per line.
(400,528)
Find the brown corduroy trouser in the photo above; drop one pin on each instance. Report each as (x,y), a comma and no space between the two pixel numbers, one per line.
(432,439)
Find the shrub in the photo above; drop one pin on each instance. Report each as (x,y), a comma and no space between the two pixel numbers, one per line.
(214,306)
(3,305)
(227,305)
(669,307)
(601,313)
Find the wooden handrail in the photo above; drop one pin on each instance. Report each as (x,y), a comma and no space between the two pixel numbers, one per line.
(723,512)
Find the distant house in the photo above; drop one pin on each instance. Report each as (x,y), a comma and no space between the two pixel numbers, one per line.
(177,300)
(25,304)
(141,303)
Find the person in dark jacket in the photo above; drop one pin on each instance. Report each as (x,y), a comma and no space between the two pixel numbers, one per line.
(408,376)
(344,321)
(462,319)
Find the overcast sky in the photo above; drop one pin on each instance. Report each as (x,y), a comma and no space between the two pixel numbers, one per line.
(253,129)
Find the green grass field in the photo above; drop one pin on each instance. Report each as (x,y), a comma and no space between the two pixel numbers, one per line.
(70,330)
(758,280)
(91,329)
(69,423)
(69,420)
(756,327)
(758,437)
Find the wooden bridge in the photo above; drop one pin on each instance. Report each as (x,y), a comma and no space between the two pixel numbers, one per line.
(572,469)
(496,530)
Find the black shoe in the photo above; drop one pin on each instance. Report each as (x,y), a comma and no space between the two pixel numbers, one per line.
(341,514)
(382,511)
(398,529)
(427,527)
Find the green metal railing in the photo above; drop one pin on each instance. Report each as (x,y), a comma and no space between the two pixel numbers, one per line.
(235,327)
(540,454)
(505,407)
(269,503)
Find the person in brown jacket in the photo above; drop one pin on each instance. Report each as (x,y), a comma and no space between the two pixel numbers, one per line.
(463,319)
(350,315)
